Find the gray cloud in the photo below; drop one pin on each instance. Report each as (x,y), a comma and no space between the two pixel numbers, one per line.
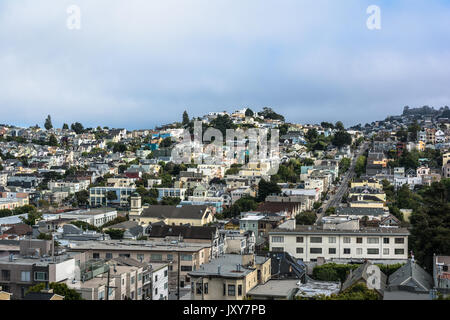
(139,63)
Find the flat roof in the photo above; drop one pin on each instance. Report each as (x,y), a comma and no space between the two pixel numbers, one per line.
(362,231)
(228,267)
(276,288)
(136,246)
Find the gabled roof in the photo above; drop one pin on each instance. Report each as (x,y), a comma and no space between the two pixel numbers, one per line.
(361,274)
(411,277)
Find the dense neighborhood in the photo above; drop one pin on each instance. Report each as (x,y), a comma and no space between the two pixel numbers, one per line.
(357,213)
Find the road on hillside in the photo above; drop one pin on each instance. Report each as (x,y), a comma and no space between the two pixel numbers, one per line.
(336,198)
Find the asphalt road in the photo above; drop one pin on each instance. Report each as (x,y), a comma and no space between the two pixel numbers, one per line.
(336,198)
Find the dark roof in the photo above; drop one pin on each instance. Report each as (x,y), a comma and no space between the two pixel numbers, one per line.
(38,296)
(360,211)
(182,212)
(284,266)
(411,277)
(19,229)
(187,232)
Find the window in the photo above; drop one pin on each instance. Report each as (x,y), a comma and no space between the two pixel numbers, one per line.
(359,240)
(166,285)
(96,255)
(108,255)
(125,255)
(359,251)
(140,257)
(205,288)
(347,250)
(277,239)
(231,290)
(186,257)
(156,257)
(186,268)
(224,289)
(386,240)
(399,251)
(316,239)
(315,250)
(373,240)
(40,276)
(199,288)
(331,239)
(299,250)
(139,276)
(139,291)
(240,290)
(25,276)
(399,240)
(156,291)
(132,280)
(101,295)
(170,257)
(277,249)
(347,239)
(373,251)
(385,251)
(165,273)
(331,250)
(299,239)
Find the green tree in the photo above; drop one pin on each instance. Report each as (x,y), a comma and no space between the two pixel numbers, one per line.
(266,188)
(306,218)
(32,218)
(65,126)
(115,234)
(58,288)
(48,123)
(186,120)
(342,138)
(249,112)
(52,141)
(339,126)
(77,127)
(111,195)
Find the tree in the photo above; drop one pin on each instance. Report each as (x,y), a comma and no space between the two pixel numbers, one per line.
(58,288)
(249,112)
(430,221)
(82,197)
(185,121)
(32,218)
(311,135)
(222,123)
(48,123)
(339,126)
(166,143)
(111,195)
(52,141)
(360,166)
(342,138)
(170,201)
(307,218)
(65,126)
(119,148)
(266,188)
(268,113)
(115,234)
(77,127)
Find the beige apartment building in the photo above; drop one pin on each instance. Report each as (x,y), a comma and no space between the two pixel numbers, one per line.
(229,277)
(182,257)
(310,243)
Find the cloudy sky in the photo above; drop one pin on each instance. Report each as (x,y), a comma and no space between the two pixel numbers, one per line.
(139,63)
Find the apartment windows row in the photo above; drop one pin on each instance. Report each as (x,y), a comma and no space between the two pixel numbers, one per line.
(154,257)
(25,276)
(359,251)
(358,240)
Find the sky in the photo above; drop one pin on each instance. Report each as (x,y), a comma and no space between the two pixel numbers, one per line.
(137,64)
